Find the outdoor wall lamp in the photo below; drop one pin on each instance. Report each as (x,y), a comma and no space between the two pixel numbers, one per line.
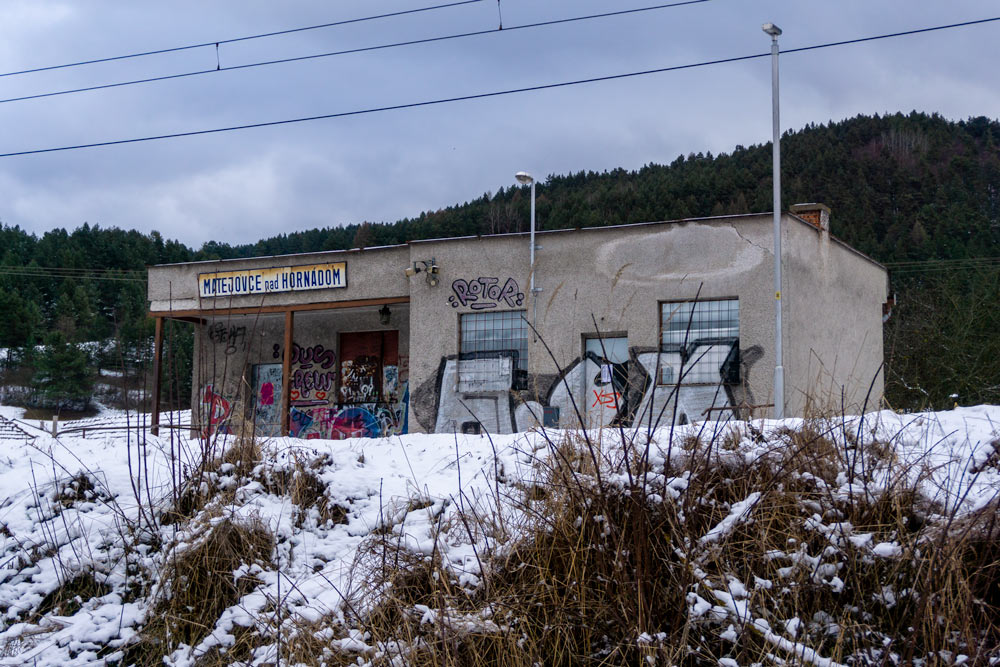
(384,314)
(428,267)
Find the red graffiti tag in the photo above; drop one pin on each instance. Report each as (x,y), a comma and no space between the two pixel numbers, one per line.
(606,399)
(218,410)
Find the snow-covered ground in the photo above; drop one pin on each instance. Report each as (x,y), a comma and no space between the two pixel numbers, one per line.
(71,504)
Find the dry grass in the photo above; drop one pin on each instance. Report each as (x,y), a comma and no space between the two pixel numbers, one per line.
(198,584)
(204,484)
(71,595)
(301,483)
(607,573)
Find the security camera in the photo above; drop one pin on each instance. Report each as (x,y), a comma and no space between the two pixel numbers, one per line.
(411,271)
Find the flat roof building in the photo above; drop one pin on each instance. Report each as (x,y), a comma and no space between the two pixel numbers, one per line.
(628,324)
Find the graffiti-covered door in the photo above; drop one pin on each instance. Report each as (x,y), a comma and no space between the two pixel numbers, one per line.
(267,402)
(372,389)
(605,379)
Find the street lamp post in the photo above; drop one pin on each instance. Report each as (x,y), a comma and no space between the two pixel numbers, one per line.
(779,370)
(524,178)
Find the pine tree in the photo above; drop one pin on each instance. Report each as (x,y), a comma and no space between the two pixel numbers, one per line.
(63,377)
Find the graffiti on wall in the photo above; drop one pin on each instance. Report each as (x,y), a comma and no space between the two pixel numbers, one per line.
(481,293)
(359,379)
(267,406)
(309,356)
(216,410)
(373,396)
(232,336)
(606,392)
(369,420)
(313,373)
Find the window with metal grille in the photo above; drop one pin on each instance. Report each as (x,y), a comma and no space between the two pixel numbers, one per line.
(493,351)
(701,340)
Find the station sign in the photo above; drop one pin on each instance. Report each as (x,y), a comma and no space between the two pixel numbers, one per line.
(270,280)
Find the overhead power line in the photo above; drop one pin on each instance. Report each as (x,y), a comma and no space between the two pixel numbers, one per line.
(129,276)
(361,49)
(202,45)
(498,93)
(942,265)
(941,262)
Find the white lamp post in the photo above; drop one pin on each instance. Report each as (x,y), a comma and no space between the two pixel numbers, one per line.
(779,370)
(524,178)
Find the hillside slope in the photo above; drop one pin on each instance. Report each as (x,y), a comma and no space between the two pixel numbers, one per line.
(915,191)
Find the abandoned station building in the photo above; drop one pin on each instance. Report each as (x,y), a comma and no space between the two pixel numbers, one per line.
(460,334)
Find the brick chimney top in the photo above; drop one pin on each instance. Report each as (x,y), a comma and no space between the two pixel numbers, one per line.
(817,215)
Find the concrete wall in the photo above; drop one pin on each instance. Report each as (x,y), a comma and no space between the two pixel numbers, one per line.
(610,281)
(832,312)
(434,326)
(607,280)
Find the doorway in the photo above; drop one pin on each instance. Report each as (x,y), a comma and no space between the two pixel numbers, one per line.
(605,380)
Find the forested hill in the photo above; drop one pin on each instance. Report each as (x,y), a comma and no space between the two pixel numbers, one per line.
(903,188)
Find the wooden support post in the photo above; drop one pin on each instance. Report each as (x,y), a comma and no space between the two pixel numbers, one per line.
(286,372)
(157,366)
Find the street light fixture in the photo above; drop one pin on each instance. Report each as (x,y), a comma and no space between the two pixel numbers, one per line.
(779,370)
(524,178)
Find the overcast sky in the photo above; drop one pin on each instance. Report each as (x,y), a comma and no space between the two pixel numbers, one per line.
(246,185)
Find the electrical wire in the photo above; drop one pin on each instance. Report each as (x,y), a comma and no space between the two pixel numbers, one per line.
(941,265)
(83,274)
(201,45)
(921,262)
(362,49)
(139,275)
(477,96)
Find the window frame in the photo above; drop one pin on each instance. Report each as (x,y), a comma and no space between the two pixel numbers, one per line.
(519,370)
(660,344)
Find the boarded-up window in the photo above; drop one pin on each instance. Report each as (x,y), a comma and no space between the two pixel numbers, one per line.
(493,351)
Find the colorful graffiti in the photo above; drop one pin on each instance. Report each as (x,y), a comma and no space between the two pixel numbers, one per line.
(311,379)
(374,420)
(370,420)
(372,400)
(216,411)
(482,293)
(267,407)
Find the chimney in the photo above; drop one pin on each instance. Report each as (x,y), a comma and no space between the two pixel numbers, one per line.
(817,215)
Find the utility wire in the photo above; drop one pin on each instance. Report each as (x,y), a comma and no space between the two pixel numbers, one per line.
(477,96)
(49,270)
(362,49)
(187,47)
(922,262)
(8,271)
(942,265)
(123,275)
(64,269)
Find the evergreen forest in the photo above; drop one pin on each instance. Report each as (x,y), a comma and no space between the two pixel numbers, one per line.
(917,192)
